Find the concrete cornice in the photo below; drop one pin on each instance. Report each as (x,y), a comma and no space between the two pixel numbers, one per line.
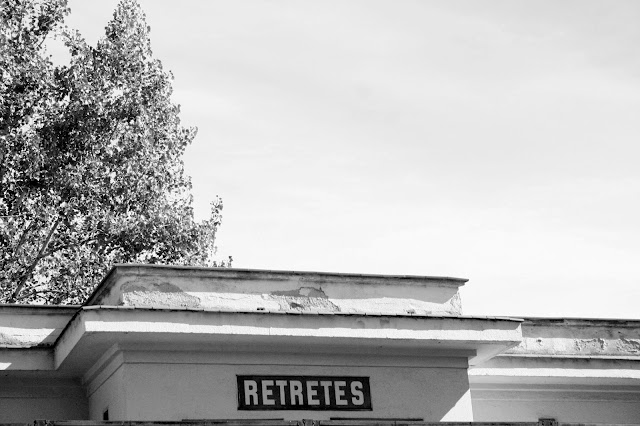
(298,313)
(94,329)
(586,322)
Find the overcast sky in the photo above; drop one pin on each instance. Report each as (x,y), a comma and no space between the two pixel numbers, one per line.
(490,140)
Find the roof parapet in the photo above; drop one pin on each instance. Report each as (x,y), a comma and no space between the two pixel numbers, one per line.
(250,289)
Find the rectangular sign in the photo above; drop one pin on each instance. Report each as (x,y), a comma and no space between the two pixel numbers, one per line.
(340,393)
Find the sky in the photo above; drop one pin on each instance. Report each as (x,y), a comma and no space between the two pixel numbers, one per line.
(488,140)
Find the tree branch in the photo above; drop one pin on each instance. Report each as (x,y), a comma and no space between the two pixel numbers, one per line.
(64,246)
(31,267)
(34,292)
(22,240)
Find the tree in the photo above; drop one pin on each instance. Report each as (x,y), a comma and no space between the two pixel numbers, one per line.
(91,169)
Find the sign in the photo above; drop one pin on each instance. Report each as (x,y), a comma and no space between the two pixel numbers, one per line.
(344,393)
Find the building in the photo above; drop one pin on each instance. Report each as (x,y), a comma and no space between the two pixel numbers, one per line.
(173,343)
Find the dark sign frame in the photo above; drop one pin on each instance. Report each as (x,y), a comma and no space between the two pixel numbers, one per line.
(316,393)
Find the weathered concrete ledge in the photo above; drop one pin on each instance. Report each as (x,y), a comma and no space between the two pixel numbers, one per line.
(603,352)
(577,337)
(250,290)
(25,326)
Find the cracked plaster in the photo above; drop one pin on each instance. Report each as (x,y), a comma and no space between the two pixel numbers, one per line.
(288,295)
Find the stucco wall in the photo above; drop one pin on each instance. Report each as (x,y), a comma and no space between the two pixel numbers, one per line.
(192,385)
(106,387)
(26,399)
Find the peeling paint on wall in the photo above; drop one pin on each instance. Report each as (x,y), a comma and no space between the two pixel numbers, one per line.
(590,345)
(630,345)
(456,303)
(9,340)
(157,294)
(302,292)
(595,338)
(302,299)
(302,303)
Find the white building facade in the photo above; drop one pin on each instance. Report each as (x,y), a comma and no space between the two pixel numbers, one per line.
(166,343)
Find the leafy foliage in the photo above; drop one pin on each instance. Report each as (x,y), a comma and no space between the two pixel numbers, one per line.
(91,169)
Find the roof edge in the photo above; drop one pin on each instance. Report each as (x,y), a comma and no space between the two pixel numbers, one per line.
(461,281)
(264,274)
(568,321)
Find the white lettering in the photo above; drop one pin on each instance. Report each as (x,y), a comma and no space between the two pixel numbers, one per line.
(312,393)
(356,391)
(339,385)
(326,385)
(250,392)
(296,392)
(266,392)
(282,384)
